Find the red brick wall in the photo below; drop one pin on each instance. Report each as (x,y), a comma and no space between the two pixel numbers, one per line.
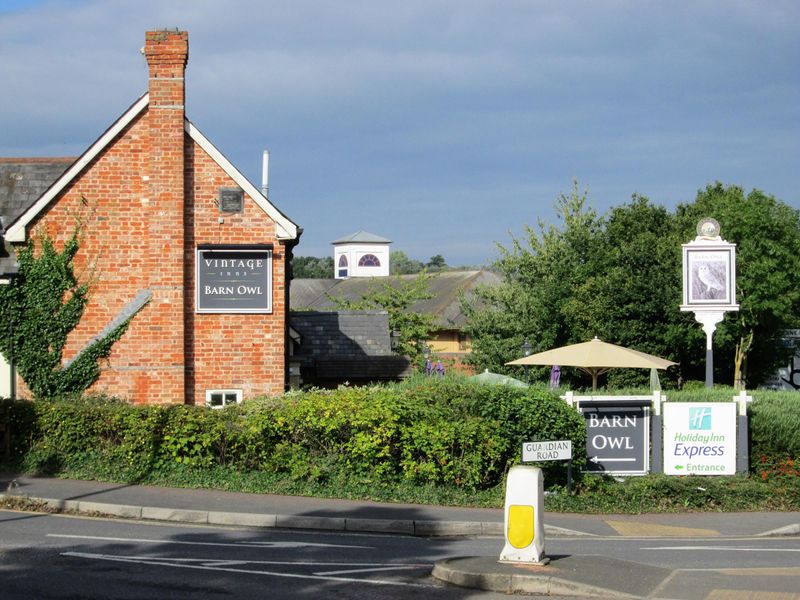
(239,351)
(111,198)
(146,202)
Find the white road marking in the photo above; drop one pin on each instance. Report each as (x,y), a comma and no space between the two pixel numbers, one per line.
(373,569)
(729,548)
(224,544)
(180,564)
(295,563)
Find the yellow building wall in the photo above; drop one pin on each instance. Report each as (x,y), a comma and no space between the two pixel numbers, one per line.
(450,342)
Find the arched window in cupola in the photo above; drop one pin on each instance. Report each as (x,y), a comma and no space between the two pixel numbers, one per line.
(342,266)
(369,260)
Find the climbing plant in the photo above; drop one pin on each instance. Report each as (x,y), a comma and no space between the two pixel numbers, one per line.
(41,305)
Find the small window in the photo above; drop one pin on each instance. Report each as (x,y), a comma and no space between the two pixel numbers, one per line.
(369,260)
(223,398)
(342,266)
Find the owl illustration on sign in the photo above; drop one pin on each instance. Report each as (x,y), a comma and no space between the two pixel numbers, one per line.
(710,282)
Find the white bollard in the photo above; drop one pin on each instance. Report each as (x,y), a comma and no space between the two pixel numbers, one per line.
(524,517)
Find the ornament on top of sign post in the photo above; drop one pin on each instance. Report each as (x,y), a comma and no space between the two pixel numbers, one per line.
(709,282)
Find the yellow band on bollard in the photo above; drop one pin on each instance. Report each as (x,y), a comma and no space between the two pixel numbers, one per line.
(523,525)
(520,525)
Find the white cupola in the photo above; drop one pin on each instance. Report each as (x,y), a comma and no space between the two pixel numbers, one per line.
(361,254)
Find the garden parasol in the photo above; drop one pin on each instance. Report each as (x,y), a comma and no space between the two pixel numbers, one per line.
(595,358)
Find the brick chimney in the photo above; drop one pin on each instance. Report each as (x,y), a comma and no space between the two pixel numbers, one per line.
(167,52)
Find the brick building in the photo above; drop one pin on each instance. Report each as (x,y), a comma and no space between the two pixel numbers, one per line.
(172,229)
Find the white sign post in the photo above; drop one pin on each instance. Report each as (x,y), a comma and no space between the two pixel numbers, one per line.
(700,438)
(709,283)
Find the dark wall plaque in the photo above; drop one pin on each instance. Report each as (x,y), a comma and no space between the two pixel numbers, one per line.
(231,200)
(232,280)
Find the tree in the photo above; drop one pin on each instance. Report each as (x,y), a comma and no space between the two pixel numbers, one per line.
(619,277)
(397,295)
(401,264)
(632,297)
(436,264)
(38,310)
(766,232)
(541,273)
(312,267)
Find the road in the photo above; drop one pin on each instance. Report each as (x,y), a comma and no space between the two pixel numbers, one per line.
(53,556)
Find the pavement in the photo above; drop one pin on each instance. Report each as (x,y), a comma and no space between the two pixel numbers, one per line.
(568,575)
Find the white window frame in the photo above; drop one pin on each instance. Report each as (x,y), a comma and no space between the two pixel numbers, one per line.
(225,393)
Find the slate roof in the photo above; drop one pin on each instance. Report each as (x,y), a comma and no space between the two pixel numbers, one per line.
(339,346)
(22,181)
(446,287)
(362,237)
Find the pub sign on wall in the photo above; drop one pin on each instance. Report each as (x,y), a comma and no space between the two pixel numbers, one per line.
(234,279)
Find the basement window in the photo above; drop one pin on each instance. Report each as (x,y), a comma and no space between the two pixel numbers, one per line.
(223,398)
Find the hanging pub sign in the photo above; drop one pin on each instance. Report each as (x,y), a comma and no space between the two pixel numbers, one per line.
(709,271)
(709,283)
(234,279)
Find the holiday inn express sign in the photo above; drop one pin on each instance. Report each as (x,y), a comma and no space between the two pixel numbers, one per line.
(700,438)
(234,279)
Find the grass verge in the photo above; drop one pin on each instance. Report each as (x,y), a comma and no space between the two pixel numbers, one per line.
(593,494)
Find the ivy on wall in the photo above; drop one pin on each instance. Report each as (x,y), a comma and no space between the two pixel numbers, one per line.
(38,309)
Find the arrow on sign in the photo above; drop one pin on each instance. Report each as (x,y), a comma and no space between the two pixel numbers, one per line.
(597,459)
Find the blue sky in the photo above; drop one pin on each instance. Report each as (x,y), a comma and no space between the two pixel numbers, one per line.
(445,126)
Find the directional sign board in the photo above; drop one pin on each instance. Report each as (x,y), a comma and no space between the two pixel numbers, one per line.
(700,438)
(617,437)
(541,451)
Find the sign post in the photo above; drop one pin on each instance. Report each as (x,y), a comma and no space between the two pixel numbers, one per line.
(709,283)
(552,450)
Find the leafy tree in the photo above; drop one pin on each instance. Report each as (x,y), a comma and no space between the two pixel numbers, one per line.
(767,236)
(312,267)
(401,264)
(38,309)
(436,263)
(397,295)
(633,294)
(541,273)
(619,277)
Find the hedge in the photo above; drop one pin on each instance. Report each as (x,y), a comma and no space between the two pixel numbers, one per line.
(437,432)
(444,432)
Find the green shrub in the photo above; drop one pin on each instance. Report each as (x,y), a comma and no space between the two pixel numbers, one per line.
(20,418)
(775,436)
(444,438)
(432,432)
